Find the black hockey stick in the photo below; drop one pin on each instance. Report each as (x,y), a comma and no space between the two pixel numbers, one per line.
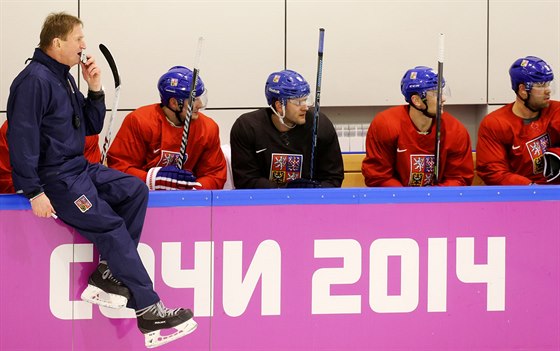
(317,102)
(190,104)
(438,109)
(117,78)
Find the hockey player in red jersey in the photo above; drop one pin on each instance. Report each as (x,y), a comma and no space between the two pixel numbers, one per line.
(91,152)
(513,140)
(400,142)
(148,142)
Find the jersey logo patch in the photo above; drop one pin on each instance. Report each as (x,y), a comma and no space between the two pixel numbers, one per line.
(170,158)
(421,170)
(83,203)
(537,147)
(285,167)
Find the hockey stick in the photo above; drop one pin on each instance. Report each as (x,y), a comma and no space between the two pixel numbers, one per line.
(438,108)
(317,102)
(190,104)
(117,78)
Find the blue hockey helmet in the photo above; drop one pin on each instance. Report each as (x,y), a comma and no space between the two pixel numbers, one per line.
(529,70)
(285,85)
(176,83)
(418,80)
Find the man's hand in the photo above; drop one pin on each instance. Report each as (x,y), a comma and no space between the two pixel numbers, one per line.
(41,206)
(91,73)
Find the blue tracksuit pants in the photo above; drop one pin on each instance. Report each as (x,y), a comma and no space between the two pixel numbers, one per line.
(115,205)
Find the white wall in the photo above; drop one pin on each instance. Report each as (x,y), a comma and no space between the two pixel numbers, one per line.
(518,29)
(369,44)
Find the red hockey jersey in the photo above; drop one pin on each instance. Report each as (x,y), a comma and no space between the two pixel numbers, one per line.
(398,155)
(510,149)
(147,139)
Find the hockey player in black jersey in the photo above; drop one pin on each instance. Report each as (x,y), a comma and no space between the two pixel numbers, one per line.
(271,147)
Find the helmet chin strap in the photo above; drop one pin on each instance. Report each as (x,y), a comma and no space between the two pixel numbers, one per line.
(177,114)
(424,111)
(281,117)
(525,102)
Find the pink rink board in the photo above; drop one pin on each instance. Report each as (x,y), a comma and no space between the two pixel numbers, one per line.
(296,276)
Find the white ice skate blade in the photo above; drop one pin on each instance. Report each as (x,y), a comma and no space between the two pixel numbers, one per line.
(96,296)
(155,339)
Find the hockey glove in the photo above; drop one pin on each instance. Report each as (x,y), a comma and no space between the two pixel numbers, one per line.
(303,183)
(552,164)
(170,178)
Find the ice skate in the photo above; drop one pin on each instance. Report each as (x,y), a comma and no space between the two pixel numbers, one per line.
(104,289)
(155,318)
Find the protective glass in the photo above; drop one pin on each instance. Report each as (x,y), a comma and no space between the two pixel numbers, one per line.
(202,99)
(543,88)
(304,101)
(445,92)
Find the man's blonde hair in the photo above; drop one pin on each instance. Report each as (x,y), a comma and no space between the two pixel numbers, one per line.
(57,25)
